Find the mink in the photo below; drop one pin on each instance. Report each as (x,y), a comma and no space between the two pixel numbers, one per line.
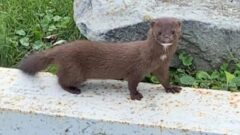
(79,60)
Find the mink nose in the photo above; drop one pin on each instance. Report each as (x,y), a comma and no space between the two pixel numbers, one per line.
(166,40)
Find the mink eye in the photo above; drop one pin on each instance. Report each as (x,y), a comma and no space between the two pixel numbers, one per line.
(173,32)
(159,33)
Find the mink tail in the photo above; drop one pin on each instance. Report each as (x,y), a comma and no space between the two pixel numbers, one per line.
(35,63)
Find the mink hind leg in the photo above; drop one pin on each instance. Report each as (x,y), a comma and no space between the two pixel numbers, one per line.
(133,82)
(70,79)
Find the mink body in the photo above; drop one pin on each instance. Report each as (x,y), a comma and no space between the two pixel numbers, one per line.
(80,60)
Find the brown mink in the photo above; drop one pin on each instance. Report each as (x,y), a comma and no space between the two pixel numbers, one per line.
(80,60)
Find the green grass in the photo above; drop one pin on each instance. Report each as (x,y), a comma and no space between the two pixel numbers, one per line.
(24,23)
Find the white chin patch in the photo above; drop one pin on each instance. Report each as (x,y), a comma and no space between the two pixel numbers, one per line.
(166,45)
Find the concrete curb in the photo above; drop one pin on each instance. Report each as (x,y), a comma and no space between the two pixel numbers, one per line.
(37,105)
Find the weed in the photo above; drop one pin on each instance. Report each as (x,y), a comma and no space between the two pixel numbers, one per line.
(223,78)
(25,26)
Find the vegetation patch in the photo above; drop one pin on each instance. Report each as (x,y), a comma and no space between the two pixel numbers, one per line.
(33,25)
(227,77)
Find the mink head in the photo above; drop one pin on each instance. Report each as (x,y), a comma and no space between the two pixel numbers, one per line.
(166,31)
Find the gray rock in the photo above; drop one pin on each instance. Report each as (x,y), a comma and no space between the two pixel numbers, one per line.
(211,29)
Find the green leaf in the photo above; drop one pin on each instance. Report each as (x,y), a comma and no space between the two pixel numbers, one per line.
(52,28)
(37,35)
(154,79)
(236,80)
(202,75)
(24,41)
(224,67)
(238,65)
(50,11)
(229,76)
(180,70)
(52,69)
(204,84)
(64,22)
(40,14)
(57,18)
(147,78)
(215,75)
(66,19)
(186,59)
(46,21)
(216,85)
(187,80)
(195,84)
(38,45)
(237,73)
(222,76)
(232,86)
(20,32)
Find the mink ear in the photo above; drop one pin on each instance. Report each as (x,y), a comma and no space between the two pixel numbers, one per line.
(179,23)
(152,23)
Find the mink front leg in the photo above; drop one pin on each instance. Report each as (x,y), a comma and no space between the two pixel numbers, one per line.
(162,73)
(132,86)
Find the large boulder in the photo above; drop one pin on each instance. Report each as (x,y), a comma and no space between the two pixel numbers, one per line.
(211,29)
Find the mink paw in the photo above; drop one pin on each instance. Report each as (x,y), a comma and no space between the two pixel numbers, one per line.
(73,90)
(173,89)
(136,96)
